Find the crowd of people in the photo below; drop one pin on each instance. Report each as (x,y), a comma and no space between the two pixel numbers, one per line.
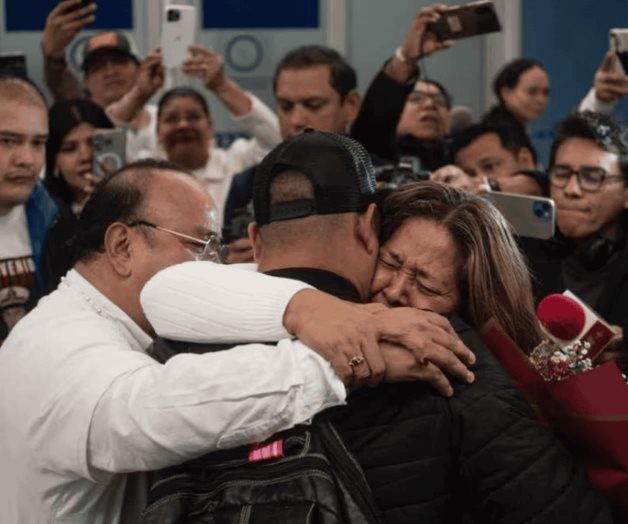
(147,376)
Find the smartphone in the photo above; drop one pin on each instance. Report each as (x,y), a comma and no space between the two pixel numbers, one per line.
(476,18)
(618,44)
(109,151)
(177,34)
(13,63)
(529,216)
(80,5)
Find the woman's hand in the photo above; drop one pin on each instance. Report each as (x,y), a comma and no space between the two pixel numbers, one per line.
(207,65)
(455,177)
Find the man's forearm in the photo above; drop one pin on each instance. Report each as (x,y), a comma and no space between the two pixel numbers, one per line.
(198,302)
(60,80)
(125,110)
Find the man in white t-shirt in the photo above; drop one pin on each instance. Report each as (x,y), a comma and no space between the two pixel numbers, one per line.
(26,209)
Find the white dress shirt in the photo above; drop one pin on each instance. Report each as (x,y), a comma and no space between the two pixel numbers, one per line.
(81,404)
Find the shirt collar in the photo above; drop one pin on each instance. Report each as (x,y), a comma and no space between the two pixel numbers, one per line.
(322,280)
(75,283)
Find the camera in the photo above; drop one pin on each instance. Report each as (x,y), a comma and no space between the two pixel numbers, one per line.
(542,210)
(173,15)
(407,171)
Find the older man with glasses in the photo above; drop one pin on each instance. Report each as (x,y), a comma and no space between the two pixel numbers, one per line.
(589,183)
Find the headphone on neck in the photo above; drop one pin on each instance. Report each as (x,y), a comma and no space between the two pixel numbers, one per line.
(592,253)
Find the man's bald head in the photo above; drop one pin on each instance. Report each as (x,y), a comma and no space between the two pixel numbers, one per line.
(19,89)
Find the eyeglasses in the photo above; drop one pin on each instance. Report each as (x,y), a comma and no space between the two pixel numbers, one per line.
(212,249)
(590,178)
(418,97)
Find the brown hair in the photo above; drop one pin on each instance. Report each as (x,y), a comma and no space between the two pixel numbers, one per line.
(494,280)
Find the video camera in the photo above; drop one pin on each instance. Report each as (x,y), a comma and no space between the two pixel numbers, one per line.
(406,171)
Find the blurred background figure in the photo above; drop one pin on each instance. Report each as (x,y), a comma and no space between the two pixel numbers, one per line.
(589,182)
(522,90)
(69,176)
(185,134)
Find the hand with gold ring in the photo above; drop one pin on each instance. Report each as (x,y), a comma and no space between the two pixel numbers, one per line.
(341,332)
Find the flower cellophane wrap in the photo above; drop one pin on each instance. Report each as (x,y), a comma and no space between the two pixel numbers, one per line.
(589,410)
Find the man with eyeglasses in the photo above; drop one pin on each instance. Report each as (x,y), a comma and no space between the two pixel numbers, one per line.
(82,404)
(589,182)
(403,115)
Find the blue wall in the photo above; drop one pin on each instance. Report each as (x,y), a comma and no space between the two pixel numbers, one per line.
(570,39)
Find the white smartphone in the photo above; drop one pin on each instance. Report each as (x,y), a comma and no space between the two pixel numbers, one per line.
(529,216)
(618,44)
(178,33)
(109,151)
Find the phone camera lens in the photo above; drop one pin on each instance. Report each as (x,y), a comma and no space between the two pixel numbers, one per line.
(541,210)
(173,15)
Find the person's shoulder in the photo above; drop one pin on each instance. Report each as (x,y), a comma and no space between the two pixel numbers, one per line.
(491,380)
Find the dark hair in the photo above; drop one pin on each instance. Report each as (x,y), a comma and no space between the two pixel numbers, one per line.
(493,278)
(98,57)
(508,76)
(440,87)
(63,117)
(512,137)
(609,134)
(343,77)
(118,198)
(182,92)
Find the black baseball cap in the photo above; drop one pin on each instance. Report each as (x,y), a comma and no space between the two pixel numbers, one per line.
(106,44)
(338,167)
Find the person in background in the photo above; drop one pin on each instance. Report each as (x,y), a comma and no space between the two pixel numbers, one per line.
(70,152)
(110,69)
(184,124)
(589,183)
(403,114)
(522,90)
(424,125)
(493,157)
(315,87)
(69,178)
(27,211)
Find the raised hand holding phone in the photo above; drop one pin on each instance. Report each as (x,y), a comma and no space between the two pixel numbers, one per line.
(207,65)
(63,23)
(177,34)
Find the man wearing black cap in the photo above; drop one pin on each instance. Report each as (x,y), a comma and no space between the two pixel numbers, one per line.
(317,222)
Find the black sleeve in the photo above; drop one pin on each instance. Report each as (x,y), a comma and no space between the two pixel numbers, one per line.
(57,256)
(514,470)
(375,127)
(240,194)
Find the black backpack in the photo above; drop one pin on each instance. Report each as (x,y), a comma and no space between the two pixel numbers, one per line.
(300,476)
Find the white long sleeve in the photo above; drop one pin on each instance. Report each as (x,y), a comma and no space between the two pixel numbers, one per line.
(162,415)
(206,302)
(591,103)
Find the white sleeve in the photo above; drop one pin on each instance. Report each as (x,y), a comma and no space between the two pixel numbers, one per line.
(591,103)
(207,302)
(261,122)
(163,414)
